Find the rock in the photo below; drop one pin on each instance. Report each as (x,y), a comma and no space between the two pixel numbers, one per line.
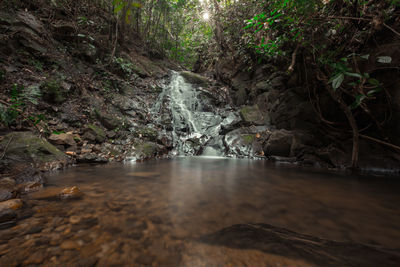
(71,193)
(55,193)
(30,187)
(313,250)
(69,245)
(246,142)
(252,115)
(147,133)
(108,121)
(279,144)
(231,122)
(7,215)
(64,32)
(66,140)
(7,189)
(111,134)
(94,133)
(26,147)
(53,91)
(195,79)
(14,204)
(91,158)
(146,150)
(31,21)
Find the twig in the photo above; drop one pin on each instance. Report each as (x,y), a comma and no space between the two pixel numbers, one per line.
(390,28)
(5,149)
(380,141)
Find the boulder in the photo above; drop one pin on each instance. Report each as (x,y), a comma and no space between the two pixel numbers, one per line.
(195,79)
(246,141)
(146,150)
(91,158)
(27,147)
(279,144)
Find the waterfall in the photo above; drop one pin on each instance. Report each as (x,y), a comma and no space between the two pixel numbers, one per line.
(195,121)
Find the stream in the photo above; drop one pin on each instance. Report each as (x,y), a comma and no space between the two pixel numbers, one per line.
(153,213)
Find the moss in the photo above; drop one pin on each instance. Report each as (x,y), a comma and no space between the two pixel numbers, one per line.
(248,138)
(251,114)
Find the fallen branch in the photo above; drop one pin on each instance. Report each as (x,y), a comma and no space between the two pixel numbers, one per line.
(380,141)
(5,149)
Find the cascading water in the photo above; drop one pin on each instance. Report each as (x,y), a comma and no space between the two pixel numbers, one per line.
(194,126)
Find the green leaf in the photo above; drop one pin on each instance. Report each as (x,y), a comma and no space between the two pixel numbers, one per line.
(358,101)
(337,81)
(354,74)
(385,59)
(373,81)
(373,91)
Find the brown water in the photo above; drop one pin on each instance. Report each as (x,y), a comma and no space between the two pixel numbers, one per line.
(149,213)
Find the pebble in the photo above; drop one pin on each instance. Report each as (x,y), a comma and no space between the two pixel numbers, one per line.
(69,245)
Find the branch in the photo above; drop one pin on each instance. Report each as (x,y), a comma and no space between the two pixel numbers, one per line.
(380,141)
(5,149)
(291,67)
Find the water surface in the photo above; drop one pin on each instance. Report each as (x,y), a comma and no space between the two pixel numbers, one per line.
(150,213)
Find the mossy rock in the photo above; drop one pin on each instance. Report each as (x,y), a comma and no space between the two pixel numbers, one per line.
(94,133)
(25,146)
(252,115)
(194,78)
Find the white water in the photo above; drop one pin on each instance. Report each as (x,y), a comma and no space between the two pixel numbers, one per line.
(192,125)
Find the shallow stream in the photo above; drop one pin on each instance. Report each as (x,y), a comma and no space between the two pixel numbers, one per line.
(152,213)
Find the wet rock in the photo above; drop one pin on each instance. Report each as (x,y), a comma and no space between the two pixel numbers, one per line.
(55,193)
(230,123)
(69,245)
(14,204)
(246,142)
(28,187)
(71,193)
(7,215)
(146,150)
(279,144)
(314,250)
(253,116)
(91,158)
(194,78)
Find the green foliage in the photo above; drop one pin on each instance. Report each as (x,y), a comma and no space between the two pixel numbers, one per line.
(19,98)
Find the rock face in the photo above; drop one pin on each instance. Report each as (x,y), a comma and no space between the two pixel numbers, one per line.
(279,144)
(252,115)
(321,252)
(94,134)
